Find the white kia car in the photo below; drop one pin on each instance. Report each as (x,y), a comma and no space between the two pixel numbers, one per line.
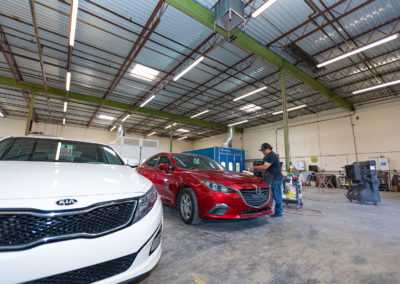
(73,212)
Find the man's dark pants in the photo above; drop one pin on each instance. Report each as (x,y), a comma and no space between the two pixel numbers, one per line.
(277,195)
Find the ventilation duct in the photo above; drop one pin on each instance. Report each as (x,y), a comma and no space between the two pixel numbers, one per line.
(302,57)
(229,14)
(121,131)
(229,138)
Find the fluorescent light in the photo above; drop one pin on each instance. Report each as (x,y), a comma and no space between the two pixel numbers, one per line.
(198,60)
(147,101)
(112,128)
(263,7)
(250,108)
(152,133)
(358,50)
(65,106)
(289,109)
(182,130)
(184,137)
(236,123)
(58,151)
(144,72)
(74,16)
(377,87)
(249,94)
(107,117)
(64,121)
(169,126)
(67,81)
(203,112)
(126,117)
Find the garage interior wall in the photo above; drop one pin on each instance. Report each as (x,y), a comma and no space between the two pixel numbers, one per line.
(11,126)
(218,141)
(329,136)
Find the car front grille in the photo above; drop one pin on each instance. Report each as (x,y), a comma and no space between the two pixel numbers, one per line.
(22,229)
(257,211)
(255,197)
(91,273)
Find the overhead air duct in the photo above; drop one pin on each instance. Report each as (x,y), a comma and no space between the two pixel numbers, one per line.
(121,131)
(229,138)
(229,14)
(301,56)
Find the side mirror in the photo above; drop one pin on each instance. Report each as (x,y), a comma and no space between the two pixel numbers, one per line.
(164,167)
(133,163)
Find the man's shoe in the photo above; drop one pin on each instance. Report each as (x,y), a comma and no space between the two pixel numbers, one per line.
(276,215)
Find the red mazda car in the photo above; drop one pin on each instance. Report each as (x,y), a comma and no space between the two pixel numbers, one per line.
(202,189)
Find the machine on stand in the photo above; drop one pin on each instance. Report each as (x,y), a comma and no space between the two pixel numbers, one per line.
(292,190)
(363,180)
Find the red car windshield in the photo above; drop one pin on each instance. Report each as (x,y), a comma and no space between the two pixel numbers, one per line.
(192,162)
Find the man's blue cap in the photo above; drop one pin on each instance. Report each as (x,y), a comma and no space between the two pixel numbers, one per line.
(265,146)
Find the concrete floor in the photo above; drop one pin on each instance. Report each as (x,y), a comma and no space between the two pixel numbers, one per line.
(346,243)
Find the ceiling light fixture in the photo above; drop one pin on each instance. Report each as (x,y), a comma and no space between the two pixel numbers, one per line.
(112,128)
(263,7)
(187,69)
(384,85)
(358,50)
(143,72)
(236,123)
(200,113)
(65,106)
(169,126)
(106,117)
(74,16)
(126,117)
(184,137)
(289,109)
(64,121)
(147,101)
(249,94)
(58,151)
(250,108)
(67,81)
(152,133)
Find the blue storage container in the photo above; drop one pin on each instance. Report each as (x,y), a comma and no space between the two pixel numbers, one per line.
(231,159)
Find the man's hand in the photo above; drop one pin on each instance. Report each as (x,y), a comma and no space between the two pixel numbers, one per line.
(251,169)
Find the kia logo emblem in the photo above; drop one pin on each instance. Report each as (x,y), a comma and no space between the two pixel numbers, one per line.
(258,191)
(66,201)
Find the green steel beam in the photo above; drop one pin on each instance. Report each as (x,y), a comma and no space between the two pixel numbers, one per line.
(114,104)
(171,137)
(28,120)
(206,17)
(285,121)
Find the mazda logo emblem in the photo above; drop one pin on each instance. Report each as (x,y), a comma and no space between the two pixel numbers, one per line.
(66,201)
(258,191)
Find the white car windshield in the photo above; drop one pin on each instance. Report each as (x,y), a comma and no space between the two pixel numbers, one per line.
(54,150)
(194,162)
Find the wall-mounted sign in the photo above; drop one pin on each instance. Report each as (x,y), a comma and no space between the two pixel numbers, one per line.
(314,159)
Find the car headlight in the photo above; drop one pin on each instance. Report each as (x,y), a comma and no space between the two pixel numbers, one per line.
(145,203)
(217,186)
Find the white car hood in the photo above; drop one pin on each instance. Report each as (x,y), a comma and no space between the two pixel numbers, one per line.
(35,180)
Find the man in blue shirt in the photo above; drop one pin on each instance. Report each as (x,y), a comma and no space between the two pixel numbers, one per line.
(272,171)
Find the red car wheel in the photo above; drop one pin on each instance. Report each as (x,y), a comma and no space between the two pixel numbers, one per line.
(188,207)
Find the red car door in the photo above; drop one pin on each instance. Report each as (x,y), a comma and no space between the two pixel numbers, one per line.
(165,181)
(149,170)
